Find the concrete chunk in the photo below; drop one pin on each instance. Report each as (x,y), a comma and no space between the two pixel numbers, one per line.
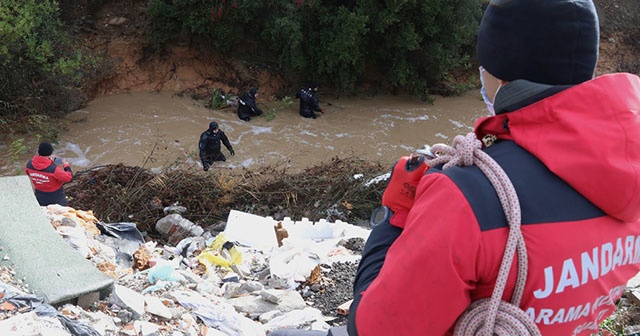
(156,307)
(126,298)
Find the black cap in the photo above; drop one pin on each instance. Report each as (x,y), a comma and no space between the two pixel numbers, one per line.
(45,149)
(544,41)
(213,125)
(253,91)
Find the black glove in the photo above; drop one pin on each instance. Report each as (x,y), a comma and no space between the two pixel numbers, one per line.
(232,152)
(205,167)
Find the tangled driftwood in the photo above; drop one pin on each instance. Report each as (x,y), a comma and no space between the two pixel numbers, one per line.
(119,193)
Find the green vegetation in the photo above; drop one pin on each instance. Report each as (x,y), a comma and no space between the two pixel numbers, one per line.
(285,102)
(614,325)
(403,45)
(42,74)
(218,99)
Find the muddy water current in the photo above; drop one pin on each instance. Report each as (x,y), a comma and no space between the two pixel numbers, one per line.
(155,130)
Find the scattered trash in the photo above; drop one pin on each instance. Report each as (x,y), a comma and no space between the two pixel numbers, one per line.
(220,253)
(343,309)
(176,228)
(128,231)
(281,233)
(246,280)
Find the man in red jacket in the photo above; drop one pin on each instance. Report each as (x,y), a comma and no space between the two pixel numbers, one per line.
(48,174)
(568,143)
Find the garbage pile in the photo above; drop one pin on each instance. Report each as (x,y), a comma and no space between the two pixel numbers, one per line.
(346,189)
(256,276)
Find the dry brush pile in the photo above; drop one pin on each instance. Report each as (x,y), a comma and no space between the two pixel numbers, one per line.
(119,193)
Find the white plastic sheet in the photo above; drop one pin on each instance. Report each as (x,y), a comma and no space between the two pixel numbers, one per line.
(219,315)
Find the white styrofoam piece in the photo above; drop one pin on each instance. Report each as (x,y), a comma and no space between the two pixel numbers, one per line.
(251,230)
(258,232)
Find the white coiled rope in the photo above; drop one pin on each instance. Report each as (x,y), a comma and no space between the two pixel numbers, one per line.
(492,316)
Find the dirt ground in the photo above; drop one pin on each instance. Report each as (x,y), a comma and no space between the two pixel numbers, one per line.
(117,30)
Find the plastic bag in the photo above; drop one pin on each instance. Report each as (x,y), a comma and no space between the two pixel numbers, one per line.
(221,253)
(125,230)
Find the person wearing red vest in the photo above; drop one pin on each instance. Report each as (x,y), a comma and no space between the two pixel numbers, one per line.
(48,174)
(570,145)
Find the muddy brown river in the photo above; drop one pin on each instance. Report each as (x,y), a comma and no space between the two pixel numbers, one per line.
(156,130)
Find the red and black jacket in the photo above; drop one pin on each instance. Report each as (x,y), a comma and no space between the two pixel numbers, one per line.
(574,160)
(47,179)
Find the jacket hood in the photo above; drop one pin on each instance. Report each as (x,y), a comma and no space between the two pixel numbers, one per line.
(589,136)
(41,162)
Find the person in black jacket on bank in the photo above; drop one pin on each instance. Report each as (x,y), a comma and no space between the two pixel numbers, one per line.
(209,146)
(247,107)
(309,101)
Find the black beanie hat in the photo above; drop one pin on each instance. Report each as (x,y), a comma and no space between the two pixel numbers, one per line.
(45,149)
(253,91)
(544,41)
(213,125)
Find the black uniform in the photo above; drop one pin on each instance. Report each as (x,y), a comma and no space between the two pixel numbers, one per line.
(209,146)
(247,107)
(308,102)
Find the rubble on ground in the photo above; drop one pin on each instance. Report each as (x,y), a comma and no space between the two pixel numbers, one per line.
(249,279)
(256,276)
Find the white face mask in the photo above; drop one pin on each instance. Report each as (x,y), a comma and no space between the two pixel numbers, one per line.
(485,97)
(483,92)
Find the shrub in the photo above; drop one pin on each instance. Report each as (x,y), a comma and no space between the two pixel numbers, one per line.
(41,72)
(409,45)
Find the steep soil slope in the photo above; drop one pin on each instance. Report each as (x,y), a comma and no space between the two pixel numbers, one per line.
(117,30)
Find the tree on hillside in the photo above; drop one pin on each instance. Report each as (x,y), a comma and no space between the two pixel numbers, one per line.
(41,73)
(406,44)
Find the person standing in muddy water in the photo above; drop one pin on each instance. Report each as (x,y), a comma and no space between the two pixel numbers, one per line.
(247,106)
(309,101)
(210,148)
(48,174)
